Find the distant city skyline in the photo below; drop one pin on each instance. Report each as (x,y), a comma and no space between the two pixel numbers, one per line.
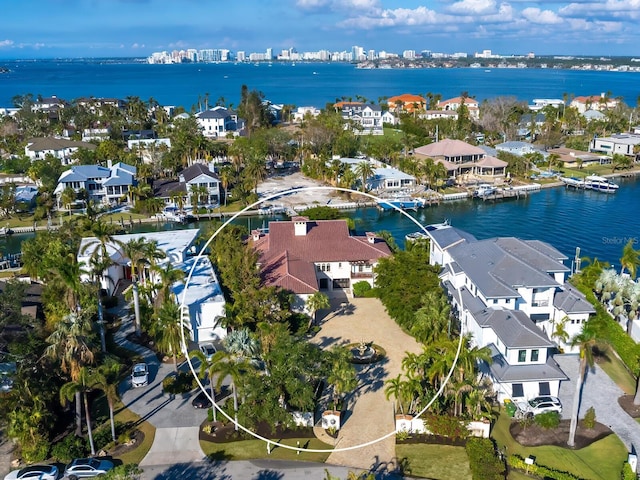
(136,28)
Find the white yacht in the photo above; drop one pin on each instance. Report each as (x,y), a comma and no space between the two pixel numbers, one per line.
(600,184)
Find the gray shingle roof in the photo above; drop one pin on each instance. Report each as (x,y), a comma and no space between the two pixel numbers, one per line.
(514,328)
(195,170)
(570,300)
(447,237)
(503,372)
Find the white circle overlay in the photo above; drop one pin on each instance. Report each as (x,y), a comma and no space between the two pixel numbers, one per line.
(206,391)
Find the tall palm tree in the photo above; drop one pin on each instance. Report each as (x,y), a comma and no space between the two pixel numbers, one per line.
(316,302)
(586,340)
(395,388)
(173,325)
(71,344)
(228,367)
(100,260)
(630,260)
(66,275)
(168,275)
(226,178)
(342,374)
(135,251)
(209,367)
(105,378)
(82,385)
(364,170)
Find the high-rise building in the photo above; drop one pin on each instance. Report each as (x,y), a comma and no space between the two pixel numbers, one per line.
(269,54)
(241,56)
(409,54)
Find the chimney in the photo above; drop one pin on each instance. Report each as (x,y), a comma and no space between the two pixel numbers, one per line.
(255,235)
(109,163)
(300,226)
(371,237)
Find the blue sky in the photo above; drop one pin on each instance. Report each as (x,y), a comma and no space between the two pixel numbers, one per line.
(97,28)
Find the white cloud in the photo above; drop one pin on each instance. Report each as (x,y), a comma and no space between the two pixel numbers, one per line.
(543,17)
(473,7)
(596,8)
(339,5)
(138,45)
(312,4)
(6,43)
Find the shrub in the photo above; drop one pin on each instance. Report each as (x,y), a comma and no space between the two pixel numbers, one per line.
(484,463)
(402,435)
(547,420)
(210,415)
(589,420)
(35,451)
(181,383)
(102,437)
(361,289)
(627,473)
(517,462)
(69,448)
(446,426)
(208,429)
(125,437)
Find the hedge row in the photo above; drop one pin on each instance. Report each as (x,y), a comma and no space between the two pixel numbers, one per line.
(517,462)
(484,463)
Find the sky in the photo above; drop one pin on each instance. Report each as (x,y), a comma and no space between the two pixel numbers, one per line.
(136,28)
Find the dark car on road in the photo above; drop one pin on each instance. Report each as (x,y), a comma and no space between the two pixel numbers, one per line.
(202,399)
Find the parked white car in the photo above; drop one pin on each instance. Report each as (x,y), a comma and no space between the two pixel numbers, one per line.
(140,375)
(544,404)
(34,472)
(208,350)
(87,467)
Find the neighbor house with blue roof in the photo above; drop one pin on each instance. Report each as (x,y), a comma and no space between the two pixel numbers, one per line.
(512,296)
(104,185)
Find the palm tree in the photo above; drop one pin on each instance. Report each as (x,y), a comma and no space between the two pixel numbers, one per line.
(227,367)
(226,178)
(80,386)
(100,260)
(316,302)
(168,275)
(135,251)
(364,170)
(342,374)
(586,340)
(395,387)
(105,378)
(209,367)
(66,275)
(173,326)
(630,260)
(70,343)
(241,345)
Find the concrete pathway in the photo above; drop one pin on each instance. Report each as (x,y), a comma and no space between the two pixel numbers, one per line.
(601,393)
(370,415)
(176,421)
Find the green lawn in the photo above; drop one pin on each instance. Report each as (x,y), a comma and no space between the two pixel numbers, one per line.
(439,462)
(617,371)
(138,453)
(255,449)
(601,460)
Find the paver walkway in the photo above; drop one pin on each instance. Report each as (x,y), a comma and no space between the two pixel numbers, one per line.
(370,414)
(601,393)
(176,421)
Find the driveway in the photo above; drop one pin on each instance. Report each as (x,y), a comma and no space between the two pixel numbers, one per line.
(601,393)
(370,415)
(176,421)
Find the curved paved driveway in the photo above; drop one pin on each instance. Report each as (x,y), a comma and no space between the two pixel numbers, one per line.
(370,413)
(601,393)
(177,423)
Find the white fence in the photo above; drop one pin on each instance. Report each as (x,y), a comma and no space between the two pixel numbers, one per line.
(409,424)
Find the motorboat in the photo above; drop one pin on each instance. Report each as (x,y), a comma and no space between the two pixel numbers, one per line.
(573,182)
(484,190)
(414,236)
(600,184)
(403,203)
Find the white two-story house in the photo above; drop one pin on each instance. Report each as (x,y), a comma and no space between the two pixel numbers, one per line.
(104,185)
(202,299)
(218,122)
(364,119)
(306,256)
(60,148)
(196,185)
(511,295)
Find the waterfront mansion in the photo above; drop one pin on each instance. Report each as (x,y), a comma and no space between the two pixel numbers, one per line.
(511,295)
(306,256)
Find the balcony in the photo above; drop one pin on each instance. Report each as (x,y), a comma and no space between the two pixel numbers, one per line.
(361,274)
(540,303)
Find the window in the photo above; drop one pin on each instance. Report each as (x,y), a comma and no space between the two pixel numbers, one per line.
(517,390)
(495,300)
(544,388)
(328,267)
(534,355)
(522,356)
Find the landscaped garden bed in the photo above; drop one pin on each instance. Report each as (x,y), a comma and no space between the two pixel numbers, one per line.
(533,435)
(416,438)
(626,402)
(224,433)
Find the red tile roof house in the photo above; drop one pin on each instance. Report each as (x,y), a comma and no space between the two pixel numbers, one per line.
(306,256)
